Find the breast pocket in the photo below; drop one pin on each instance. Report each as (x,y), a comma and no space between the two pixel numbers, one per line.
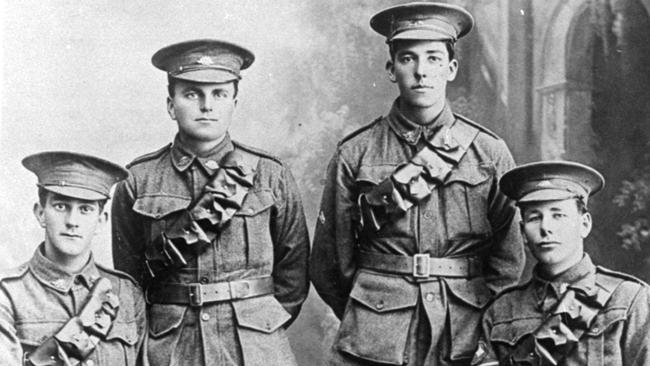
(466,193)
(247,241)
(160,209)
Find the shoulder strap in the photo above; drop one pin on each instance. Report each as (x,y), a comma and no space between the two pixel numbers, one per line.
(149,156)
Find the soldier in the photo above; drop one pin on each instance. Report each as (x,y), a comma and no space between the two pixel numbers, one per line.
(571,312)
(61,308)
(213,229)
(414,237)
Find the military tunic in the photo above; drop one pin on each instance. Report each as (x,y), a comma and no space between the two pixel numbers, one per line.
(267,236)
(39,297)
(618,334)
(396,319)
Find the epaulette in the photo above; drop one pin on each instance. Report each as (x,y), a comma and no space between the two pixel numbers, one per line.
(15,272)
(256,151)
(477,125)
(149,156)
(359,130)
(620,275)
(117,273)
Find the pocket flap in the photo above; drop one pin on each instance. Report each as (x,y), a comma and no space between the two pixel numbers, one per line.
(383,293)
(127,332)
(375,174)
(513,331)
(34,334)
(469,175)
(605,319)
(264,313)
(164,318)
(473,291)
(256,202)
(159,206)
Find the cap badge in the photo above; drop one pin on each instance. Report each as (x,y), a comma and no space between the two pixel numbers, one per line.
(544,183)
(205,60)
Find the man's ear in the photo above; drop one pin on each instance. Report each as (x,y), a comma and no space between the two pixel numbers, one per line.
(170,108)
(585,224)
(453,70)
(39,213)
(390,69)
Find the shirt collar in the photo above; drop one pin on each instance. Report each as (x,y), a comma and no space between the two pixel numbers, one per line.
(182,157)
(410,131)
(581,277)
(53,275)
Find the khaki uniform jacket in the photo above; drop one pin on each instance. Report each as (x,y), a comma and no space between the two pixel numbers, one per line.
(618,335)
(465,216)
(266,237)
(38,298)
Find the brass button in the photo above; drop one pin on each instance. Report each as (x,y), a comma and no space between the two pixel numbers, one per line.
(429,296)
(212,164)
(205,317)
(380,305)
(204,280)
(428,214)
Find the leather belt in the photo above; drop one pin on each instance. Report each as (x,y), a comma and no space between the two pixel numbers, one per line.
(197,294)
(422,265)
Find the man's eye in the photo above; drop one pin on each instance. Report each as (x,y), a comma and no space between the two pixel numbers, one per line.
(558,215)
(58,206)
(533,218)
(191,95)
(435,59)
(87,209)
(222,94)
(406,59)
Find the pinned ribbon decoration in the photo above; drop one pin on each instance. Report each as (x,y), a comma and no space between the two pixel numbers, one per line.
(195,229)
(569,320)
(79,337)
(409,184)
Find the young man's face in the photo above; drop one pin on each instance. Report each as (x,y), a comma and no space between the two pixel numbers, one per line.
(422,70)
(554,232)
(203,111)
(70,224)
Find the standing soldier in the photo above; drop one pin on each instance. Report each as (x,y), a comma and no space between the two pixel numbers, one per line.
(61,308)
(571,312)
(213,229)
(414,236)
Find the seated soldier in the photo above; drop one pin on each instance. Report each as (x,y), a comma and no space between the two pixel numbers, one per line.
(571,312)
(61,308)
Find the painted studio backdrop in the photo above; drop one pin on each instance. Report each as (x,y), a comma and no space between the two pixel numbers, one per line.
(557,79)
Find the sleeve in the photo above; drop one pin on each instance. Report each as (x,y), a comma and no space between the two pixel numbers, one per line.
(636,335)
(11,352)
(485,354)
(506,261)
(332,262)
(143,332)
(128,232)
(291,248)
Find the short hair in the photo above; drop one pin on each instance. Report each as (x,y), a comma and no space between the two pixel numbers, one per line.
(43,194)
(451,49)
(580,204)
(171,84)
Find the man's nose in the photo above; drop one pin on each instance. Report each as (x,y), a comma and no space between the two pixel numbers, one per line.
(546,226)
(206,104)
(420,69)
(72,218)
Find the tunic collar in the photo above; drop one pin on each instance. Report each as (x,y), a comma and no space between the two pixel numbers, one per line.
(410,131)
(182,157)
(581,278)
(53,275)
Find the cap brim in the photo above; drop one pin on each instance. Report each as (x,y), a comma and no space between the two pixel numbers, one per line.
(207,76)
(76,192)
(547,195)
(422,34)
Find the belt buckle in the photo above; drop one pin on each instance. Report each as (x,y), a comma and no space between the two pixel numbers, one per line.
(421,267)
(195,294)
